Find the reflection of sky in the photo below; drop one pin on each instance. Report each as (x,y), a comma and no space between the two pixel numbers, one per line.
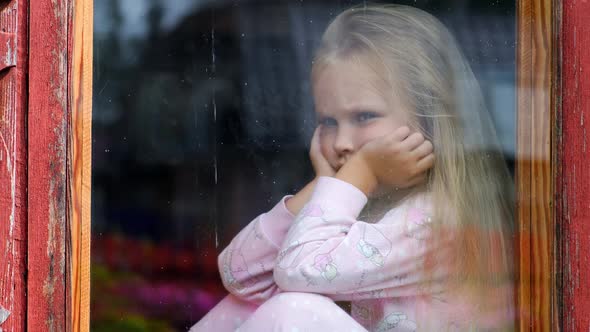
(134,12)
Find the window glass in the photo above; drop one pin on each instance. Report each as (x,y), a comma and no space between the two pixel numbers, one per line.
(203,115)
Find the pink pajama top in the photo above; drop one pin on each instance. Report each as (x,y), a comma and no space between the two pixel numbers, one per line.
(326,250)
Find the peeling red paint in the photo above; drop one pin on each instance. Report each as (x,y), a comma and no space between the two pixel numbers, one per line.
(7,49)
(13,27)
(48,123)
(573,174)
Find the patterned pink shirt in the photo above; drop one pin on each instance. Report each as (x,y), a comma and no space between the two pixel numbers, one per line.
(326,250)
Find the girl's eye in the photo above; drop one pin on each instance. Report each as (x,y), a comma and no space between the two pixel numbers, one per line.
(365,116)
(328,122)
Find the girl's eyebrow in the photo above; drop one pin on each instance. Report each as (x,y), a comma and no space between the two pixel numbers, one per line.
(365,109)
(323,113)
(370,109)
(371,105)
(352,109)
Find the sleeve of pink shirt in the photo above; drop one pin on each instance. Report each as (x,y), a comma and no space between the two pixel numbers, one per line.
(246,265)
(328,251)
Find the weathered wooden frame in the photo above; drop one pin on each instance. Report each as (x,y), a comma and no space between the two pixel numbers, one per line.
(80,135)
(60,118)
(572,171)
(13,165)
(537,23)
(45,160)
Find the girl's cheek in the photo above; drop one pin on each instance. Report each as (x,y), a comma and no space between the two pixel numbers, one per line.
(369,134)
(379,129)
(325,145)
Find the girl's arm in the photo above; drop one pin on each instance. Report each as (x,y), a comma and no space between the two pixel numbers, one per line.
(328,251)
(247,263)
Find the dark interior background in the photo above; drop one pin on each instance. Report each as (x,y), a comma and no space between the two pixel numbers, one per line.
(202,119)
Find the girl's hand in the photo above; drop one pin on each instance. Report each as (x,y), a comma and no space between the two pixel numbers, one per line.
(398,160)
(321,167)
(319,162)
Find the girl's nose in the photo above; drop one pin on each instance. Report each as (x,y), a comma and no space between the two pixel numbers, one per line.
(344,144)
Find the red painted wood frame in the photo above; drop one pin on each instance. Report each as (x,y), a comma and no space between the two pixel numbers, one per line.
(572,176)
(45,99)
(13,162)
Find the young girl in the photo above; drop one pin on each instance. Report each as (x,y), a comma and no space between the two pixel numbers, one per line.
(433,251)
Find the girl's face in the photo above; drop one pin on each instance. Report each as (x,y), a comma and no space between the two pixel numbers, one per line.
(351,109)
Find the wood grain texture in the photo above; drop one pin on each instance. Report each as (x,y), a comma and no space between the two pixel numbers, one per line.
(13,172)
(80,156)
(47,176)
(573,173)
(535,77)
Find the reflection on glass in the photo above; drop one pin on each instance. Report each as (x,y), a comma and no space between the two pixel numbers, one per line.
(204,116)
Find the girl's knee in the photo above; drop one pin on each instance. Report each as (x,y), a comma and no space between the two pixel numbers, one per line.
(302,308)
(294,299)
(304,303)
(300,312)
(227,315)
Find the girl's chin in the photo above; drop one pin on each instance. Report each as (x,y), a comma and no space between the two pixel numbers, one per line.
(390,193)
(381,191)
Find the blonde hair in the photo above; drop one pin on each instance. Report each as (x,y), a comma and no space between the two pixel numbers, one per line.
(469,184)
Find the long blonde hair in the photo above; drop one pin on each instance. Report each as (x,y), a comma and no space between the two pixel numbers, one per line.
(469,184)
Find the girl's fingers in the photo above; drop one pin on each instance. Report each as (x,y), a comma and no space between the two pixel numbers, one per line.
(425,163)
(315,140)
(423,150)
(401,133)
(316,133)
(314,150)
(413,141)
(418,180)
